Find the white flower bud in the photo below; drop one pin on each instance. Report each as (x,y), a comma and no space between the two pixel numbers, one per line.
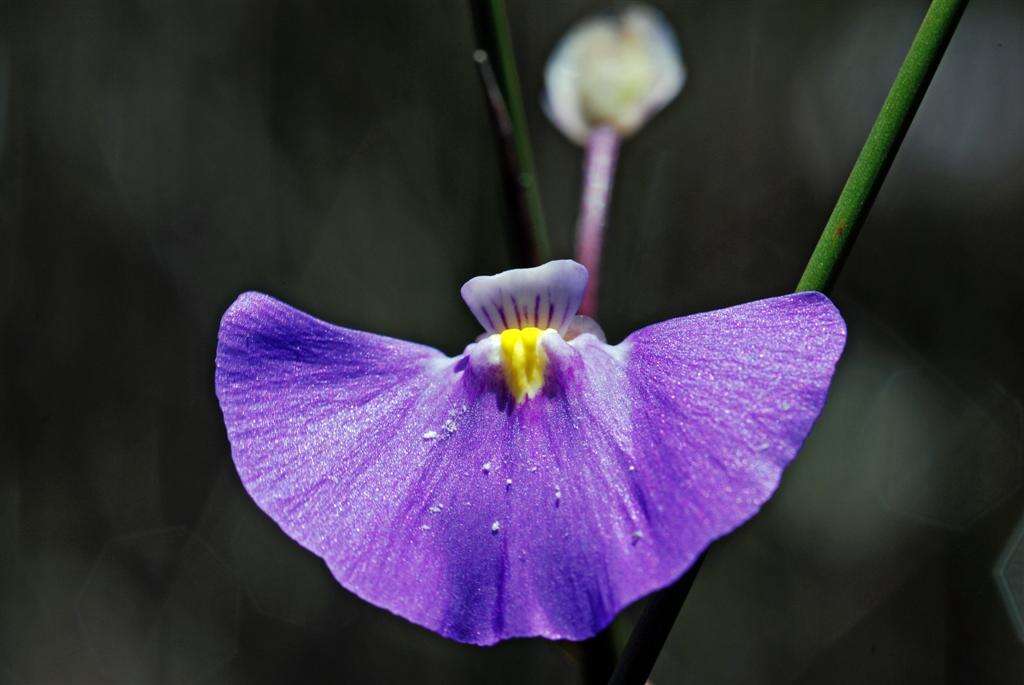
(612,70)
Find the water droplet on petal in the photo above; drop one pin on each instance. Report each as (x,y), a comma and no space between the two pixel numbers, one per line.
(486,468)
(637,536)
(425,527)
(496,526)
(436,508)
(430,435)
(450,426)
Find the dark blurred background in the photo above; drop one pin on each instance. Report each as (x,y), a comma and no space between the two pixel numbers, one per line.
(158,157)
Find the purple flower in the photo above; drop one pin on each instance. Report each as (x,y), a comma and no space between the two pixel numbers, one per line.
(538,482)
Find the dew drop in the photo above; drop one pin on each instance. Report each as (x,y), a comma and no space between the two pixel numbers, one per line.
(486,468)
(430,435)
(450,426)
(637,536)
(508,482)
(495,527)
(425,527)
(435,508)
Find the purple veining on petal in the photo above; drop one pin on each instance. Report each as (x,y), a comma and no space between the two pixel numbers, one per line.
(501,313)
(368,451)
(562,281)
(480,312)
(487,314)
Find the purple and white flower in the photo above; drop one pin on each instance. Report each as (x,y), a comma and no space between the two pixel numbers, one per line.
(540,481)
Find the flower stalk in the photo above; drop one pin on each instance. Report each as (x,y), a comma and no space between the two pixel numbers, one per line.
(841,230)
(490,21)
(601,154)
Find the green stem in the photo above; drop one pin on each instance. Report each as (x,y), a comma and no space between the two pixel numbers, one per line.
(883,142)
(840,232)
(494,37)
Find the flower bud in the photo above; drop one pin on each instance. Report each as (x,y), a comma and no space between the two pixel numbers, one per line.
(613,69)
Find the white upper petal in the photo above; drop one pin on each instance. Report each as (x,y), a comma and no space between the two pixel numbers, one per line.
(546,296)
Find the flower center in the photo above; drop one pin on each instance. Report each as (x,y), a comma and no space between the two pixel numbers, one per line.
(523,361)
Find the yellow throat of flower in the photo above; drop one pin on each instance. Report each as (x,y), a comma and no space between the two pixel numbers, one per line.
(523,361)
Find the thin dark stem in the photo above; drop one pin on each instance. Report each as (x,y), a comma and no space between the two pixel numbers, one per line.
(490,22)
(869,171)
(601,154)
(521,233)
(495,100)
(652,630)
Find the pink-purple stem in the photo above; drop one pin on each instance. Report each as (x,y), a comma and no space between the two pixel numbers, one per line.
(601,153)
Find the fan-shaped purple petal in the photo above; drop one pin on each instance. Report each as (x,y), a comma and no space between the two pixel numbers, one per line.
(430,493)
